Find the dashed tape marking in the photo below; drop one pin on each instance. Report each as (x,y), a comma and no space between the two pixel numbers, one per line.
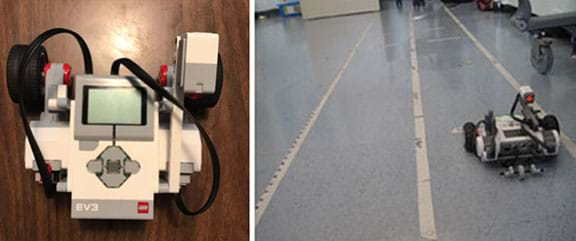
(264,200)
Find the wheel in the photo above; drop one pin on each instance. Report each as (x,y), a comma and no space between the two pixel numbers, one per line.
(469,137)
(521,24)
(32,80)
(480,5)
(541,57)
(202,101)
(550,122)
(484,5)
(496,7)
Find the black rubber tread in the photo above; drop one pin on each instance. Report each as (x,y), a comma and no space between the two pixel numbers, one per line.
(469,137)
(33,79)
(550,122)
(480,5)
(14,59)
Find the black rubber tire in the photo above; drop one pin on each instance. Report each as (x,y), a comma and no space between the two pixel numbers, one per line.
(480,6)
(550,122)
(204,101)
(14,58)
(541,58)
(469,137)
(33,79)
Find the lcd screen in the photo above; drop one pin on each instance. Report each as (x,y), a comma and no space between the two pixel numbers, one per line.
(114,106)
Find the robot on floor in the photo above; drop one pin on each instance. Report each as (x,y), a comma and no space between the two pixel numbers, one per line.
(515,141)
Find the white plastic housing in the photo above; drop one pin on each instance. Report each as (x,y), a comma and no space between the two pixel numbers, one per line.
(197,62)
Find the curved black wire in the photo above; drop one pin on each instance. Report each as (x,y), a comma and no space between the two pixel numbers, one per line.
(33,48)
(150,82)
(513,109)
(523,124)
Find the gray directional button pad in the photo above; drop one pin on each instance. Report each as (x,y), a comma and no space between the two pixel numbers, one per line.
(113,166)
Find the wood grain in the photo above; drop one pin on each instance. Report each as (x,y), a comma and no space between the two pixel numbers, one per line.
(145,32)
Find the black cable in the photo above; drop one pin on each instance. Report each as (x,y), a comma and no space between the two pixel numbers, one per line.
(33,48)
(480,122)
(513,109)
(113,135)
(536,139)
(150,82)
(523,124)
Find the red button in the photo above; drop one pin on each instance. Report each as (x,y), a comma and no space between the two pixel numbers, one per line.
(67,70)
(143,207)
(49,168)
(195,96)
(164,75)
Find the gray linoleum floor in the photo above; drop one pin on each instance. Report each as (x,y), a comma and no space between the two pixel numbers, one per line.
(355,175)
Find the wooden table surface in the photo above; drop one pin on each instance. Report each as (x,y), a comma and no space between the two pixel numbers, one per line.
(145,32)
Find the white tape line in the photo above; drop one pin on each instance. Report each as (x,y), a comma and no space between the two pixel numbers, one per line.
(264,200)
(436,40)
(425,207)
(457,130)
(436,29)
(419,17)
(484,51)
(566,140)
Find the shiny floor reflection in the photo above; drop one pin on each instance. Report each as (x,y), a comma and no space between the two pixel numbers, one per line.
(354,177)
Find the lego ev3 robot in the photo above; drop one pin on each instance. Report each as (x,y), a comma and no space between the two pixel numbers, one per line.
(115,141)
(515,140)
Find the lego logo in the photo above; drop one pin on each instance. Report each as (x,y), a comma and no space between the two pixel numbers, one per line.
(143,207)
